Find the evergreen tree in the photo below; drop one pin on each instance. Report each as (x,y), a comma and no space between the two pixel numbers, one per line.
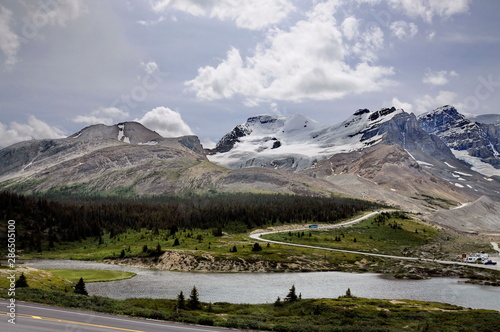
(256,247)
(278,303)
(193,302)
(122,254)
(80,287)
(22,282)
(176,242)
(181,301)
(145,248)
(292,296)
(158,249)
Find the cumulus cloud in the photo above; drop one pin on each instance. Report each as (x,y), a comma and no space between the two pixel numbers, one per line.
(404,30)
(9,41)
(399,104)
(104,115)
(428,103)
(248,14)
(165,122)
(438,78)
(34,129)
(308,61)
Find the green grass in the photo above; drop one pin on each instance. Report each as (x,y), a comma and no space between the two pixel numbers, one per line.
(395,236)
(92,275)
(311,315)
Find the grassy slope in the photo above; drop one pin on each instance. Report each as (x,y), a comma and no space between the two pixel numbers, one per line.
(342,314)
(92,275)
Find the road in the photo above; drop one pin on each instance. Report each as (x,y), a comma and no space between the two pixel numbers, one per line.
(31,317)
(257,236)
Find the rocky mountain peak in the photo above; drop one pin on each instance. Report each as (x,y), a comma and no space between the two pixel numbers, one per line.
(476,143)
(128,132)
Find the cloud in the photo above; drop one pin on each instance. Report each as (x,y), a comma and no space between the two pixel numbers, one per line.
(350,27)
(427,9)
(399,104)
(34,129)
(308,61)
(149,67)
(104,115)
(428,103)
(35,16)
(438,78)
(248,14)
(165,122)
(404,30)
(9,41)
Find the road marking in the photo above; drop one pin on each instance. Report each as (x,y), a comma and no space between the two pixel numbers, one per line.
(49,319)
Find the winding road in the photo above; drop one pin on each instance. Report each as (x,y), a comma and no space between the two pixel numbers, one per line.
(257,236)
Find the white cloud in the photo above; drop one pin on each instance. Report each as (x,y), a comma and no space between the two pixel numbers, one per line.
(104,115)
(35,16)
(399,104)
(165,122)
(350,27)
(438,78)
(248,14)
(305,62)
(9,41)
(404,30)
(149,67)
(427,9)
(34,129)
(428,103)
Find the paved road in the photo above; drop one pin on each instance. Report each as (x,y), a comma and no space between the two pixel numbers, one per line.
(32,317)
(257,236)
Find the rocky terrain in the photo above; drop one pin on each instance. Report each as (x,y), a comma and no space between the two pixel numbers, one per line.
(430,165)
(129,159)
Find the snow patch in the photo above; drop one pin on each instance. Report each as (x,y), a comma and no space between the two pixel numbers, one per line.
(476,163)
(449,165)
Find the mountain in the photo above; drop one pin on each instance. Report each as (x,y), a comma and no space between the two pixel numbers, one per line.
(129,159)
(387,155)
(486,118)
(473,142)
(296,143)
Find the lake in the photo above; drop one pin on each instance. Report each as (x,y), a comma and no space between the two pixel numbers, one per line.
(266,287)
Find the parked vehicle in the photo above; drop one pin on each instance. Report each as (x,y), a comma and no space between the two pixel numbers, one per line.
(313,226)
(490,262)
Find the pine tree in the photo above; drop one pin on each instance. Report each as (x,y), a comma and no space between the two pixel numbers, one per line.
(80,287)
(292,296)
(193,301)
(181,301)
(256,247)
(122,254)
(176,242)
(22,282)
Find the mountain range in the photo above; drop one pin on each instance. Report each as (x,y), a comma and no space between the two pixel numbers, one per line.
(439,164)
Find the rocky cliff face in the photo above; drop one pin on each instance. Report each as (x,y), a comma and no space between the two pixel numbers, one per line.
(478,140)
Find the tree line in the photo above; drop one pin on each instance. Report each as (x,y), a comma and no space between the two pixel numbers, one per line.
(40,222)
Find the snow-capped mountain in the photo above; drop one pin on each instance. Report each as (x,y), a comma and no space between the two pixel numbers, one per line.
(296,143)
(476,143)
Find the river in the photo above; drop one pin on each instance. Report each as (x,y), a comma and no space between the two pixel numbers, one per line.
(266,287)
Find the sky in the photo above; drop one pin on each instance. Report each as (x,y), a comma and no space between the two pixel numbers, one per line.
(184,67)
